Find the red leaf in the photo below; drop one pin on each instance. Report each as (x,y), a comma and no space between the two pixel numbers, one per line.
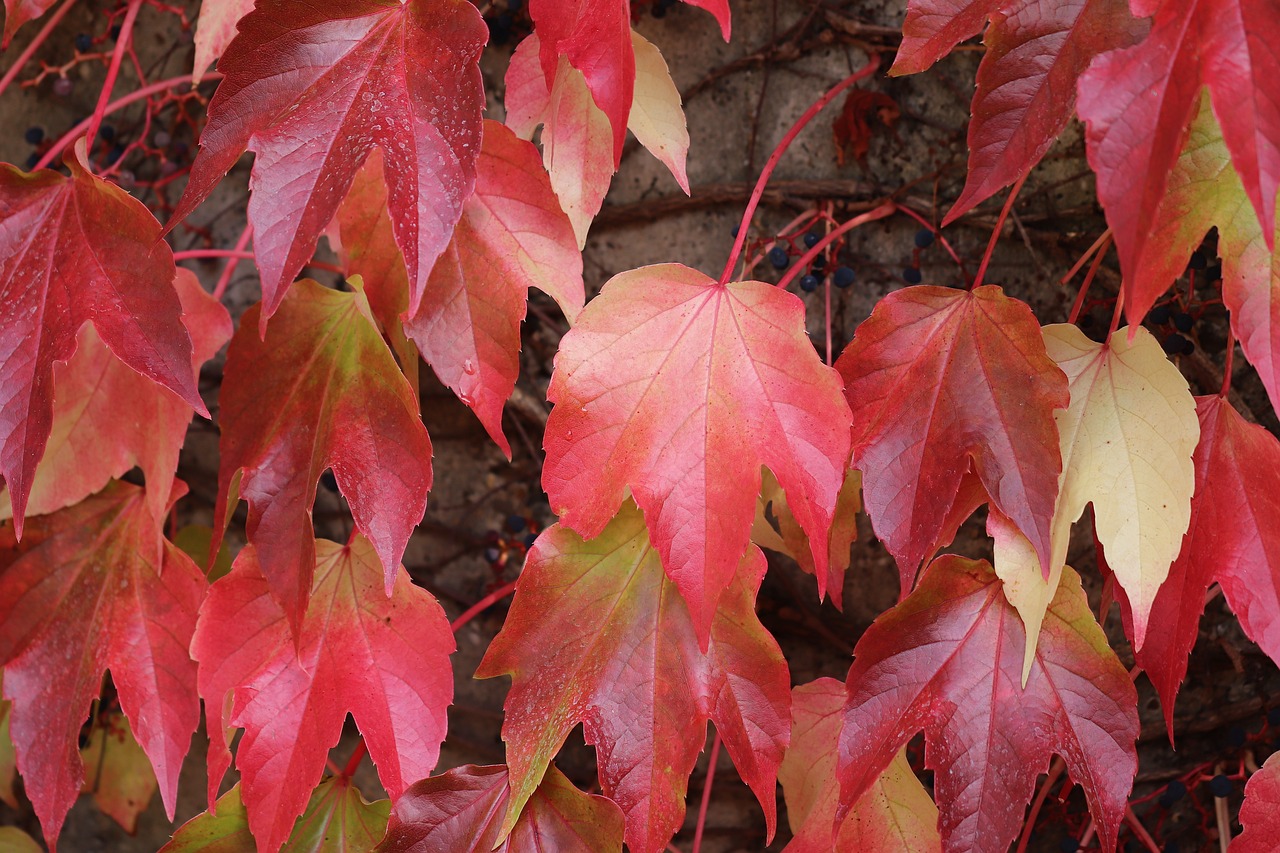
(382,659)
(595,37)
(1027,84)
(512,236)
(1260,812)
(19,12)
(948,659)
(311,89)
(598,635)
(107,417)
(82,594)
(719,8)
(661,366)
(338,401)
(939,379)
(933,27)
(461,811)
(76,250)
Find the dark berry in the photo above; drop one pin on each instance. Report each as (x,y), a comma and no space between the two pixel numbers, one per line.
(819,262)
(924,238)
(32,160)
(1198,261)
(328,480)
(84,43)
(161,139)
(734,231)
(1273,716)
(516,523)
(1220,786)
(1175,343)
(843,277)
(1175,791)
(1069,845)
(1236,737)
(62,87)
(911,275)
(1160,314)
(107,132)
(779,258)
(180,149)
(115,154)
(1182,321)
(811,240)
(492,554)
(34,135)
(115,32)
(808,283)
(529,539)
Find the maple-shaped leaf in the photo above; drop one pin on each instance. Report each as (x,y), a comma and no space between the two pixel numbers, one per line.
(1026,88)
(948,659)
(512,236)
(107,417)
(1138,103)
(597,634)
(576,132)
(77,250)
(19,12)
(679,389)
(311,89)
(83,593)
(1127,440)
(337,400)
(215,28)
(939,380)
(337,820)
(117,772)
(789,538)
(894,814)
(462,811)
(1233,538)
(383,659)
(1260,811)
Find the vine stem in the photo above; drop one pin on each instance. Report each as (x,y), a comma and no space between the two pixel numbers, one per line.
(225,279)
(886,209)
(995,232)
(113,71)
(482,605)
(1101,252)
(1098,245)
(1226,368)
(29,51)
(131,98)
(706,793)
(1055,770)
(195,254)
(756,194)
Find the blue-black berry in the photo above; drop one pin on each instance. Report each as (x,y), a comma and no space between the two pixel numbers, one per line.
(1174,343)
(1220,786)
(107,132)
(1182,321)
(32,160)
(843,277)
(34,135)
(808,283)
(819,262)
(924,238)
(1176,790)
(83,43)
(1273,717)
(779,258)
(115,32)
(329,481)
(1236,737)
(529,539)
(1160,314)
(492,554)
(811,240)
(516,523)
(911,275)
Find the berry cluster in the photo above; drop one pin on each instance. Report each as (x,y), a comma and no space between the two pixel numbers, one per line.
(510,546)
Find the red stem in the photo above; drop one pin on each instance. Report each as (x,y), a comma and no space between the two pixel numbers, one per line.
(1115,317)
(937,232)
(113,71)
(1140,830)
(886,209)
(1103,239)
(354,761)
(482,605)
(872,64)
(1088,280)
(1055,770)
(225,279)
(995,232)
(706,793)
(29,51)
(193,254)
(1226,368)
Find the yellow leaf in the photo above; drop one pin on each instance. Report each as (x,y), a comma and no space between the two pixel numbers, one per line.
(657,117)
(1127,440)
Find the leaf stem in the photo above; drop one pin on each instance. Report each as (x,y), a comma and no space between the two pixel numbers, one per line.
(195,254)
(131,98)
(1055,770)
(706,793)
(1226,368)
(113,71)
(40,38)
(756,194)
(354,761)
(1101,253)
(225,279)
(886,209)
(995,232)
(482,605)
(1103,240)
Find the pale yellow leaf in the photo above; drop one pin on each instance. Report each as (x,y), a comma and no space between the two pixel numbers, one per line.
(215,28)
(657,117)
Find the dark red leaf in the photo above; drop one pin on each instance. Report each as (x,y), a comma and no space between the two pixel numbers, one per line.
(384,660)
(949,660)
(76,250)
(939,380)
(311,88)
(84,593)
